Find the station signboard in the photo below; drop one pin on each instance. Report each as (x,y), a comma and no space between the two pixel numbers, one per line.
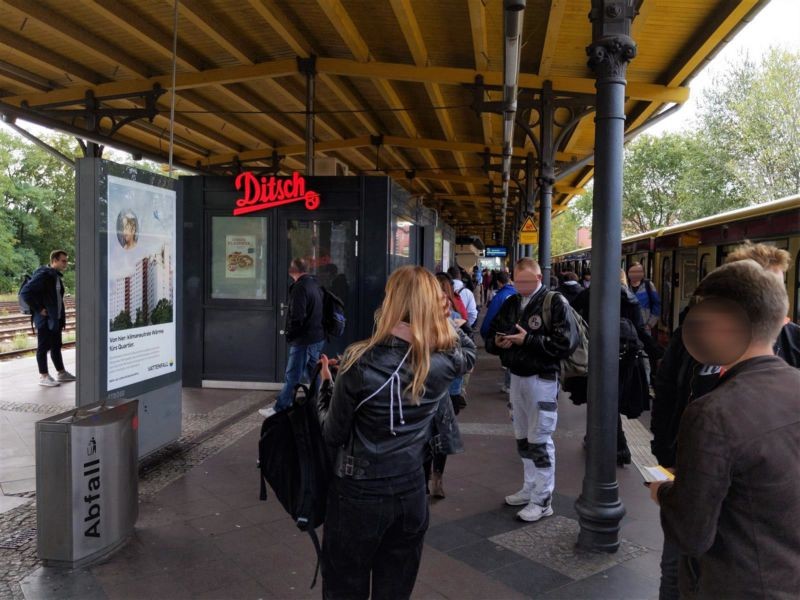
(496,252)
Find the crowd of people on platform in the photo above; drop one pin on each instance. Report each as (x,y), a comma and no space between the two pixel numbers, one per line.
(725,413)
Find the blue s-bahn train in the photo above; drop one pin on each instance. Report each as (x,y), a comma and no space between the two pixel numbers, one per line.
(676,258)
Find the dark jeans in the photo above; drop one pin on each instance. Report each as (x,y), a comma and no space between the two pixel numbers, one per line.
(670,559)
(374,529)
(299,366)
(48,340)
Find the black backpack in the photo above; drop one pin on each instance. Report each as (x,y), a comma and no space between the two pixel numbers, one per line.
(333,319)
(294,460)
(634,390)
(24,308)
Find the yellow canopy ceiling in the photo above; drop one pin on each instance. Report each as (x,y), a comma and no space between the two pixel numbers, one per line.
(403,69)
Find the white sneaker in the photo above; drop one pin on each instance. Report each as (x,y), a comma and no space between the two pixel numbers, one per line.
(65,376)
(48,381)
(266,412)
(521,498)
(534,512)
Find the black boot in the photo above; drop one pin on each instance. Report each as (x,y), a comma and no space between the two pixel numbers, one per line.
(623,452)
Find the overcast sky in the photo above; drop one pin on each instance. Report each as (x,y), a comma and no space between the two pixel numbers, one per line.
(778,24)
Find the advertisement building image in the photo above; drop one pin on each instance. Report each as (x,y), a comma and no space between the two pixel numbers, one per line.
(141,290)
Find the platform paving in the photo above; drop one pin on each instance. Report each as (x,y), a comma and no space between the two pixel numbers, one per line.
(203,533)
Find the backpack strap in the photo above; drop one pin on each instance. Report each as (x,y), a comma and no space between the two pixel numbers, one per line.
(312,533)
(547,310)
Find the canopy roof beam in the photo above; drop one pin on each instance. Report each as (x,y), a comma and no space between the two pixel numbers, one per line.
(378,71)
(349,33)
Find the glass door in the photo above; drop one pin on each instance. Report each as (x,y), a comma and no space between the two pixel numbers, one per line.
(329,245)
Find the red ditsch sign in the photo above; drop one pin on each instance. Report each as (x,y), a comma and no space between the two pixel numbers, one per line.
(269,192)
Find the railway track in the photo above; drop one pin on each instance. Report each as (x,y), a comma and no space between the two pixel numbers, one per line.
(10,334)
(12,306)
(20,319)
(18,353)
(16,324)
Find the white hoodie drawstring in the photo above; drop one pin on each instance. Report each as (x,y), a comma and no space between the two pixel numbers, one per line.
(395,394)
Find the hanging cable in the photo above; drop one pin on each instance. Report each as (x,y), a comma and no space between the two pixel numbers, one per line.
(174,74)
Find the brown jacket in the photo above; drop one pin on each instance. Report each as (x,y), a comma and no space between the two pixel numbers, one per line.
(735,501)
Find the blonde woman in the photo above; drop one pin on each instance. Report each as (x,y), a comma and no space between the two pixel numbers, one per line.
(379,418)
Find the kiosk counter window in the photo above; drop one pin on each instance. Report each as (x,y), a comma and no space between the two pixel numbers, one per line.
(403,246)
(238,258)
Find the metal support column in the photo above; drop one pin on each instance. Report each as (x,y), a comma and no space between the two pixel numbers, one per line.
(308,66)
(599,507)
(529,201)
(547,177)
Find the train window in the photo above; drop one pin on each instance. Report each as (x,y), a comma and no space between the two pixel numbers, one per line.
(704,266)
(666,291)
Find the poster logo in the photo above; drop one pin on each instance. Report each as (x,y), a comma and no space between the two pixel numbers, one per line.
(269,192)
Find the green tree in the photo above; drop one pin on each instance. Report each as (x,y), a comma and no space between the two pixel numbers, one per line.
(37,198)
(566,224)
(751,117)
(162,313)
(121,321)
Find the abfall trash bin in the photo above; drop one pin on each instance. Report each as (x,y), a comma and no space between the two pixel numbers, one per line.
(87,483)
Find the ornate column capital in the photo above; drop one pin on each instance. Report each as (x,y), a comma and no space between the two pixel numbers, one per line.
(612,47)
(609,56)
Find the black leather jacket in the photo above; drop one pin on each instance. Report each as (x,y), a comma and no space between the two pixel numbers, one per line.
(542,351)
(381,437)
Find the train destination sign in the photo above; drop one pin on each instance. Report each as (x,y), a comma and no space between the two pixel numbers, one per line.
(268,192)
(496,252)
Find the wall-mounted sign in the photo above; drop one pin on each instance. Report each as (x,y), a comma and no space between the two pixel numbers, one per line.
(240,256)
(496,251)
(528,234)
(269,192)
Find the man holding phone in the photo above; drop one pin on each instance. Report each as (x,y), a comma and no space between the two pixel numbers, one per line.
(532,350)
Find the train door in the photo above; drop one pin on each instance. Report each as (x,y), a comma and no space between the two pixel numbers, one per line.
(684,280)
(665,281)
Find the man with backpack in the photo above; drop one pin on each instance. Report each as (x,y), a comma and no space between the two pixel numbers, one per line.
(532,345)
(305,333)
(43,296)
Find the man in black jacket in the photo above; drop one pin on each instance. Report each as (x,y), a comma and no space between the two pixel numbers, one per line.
(44,294)
(532,350)
(305,334)
(735,503)
(569,287)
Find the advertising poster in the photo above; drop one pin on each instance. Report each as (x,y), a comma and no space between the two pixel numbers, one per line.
(445,255)
(141,282)
(240,253)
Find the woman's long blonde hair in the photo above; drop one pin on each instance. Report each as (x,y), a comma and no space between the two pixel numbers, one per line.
(413,295)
